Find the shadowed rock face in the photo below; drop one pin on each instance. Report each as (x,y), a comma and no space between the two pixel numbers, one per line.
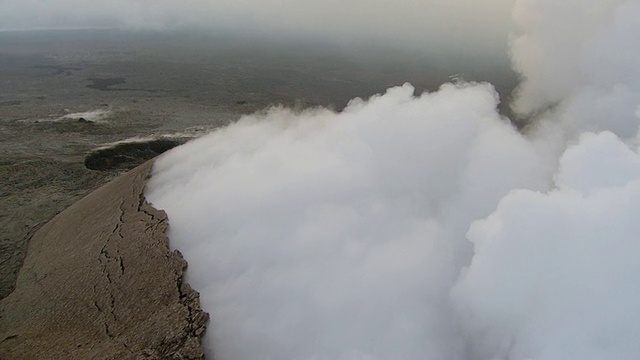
(128,155)
(99,282)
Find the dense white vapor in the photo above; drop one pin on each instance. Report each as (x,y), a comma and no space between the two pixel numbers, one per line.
(551,47)
(554,275)
(581,58)
(329,236)
(427,227)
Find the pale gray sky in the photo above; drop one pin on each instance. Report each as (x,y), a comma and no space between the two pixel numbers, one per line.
(483,22)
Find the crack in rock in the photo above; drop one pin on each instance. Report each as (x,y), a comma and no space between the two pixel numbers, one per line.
(100,282)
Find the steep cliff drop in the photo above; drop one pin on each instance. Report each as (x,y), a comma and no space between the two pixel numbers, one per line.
(99,282)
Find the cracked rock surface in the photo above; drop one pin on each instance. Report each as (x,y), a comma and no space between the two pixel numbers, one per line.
(99,282)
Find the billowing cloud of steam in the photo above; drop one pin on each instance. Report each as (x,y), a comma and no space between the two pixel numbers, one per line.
(580,57)
(427,227)
(324,235)
(554,275)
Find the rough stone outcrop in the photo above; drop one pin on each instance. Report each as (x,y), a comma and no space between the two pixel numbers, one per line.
(127,155)
(99,282)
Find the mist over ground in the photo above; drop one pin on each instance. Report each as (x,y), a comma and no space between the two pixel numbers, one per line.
(425,226)
(414,23)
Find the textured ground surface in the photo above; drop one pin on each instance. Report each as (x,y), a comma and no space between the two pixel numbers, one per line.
(100,282)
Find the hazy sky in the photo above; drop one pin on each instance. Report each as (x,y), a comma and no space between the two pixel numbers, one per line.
(467,21)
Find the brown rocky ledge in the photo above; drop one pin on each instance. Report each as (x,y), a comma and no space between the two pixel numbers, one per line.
(99,282)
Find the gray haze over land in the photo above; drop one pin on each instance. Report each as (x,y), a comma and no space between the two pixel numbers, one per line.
(419,23)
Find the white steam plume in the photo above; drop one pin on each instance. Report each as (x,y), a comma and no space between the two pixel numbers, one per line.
(554,275)
(328,236)
(427,227)
(580,57)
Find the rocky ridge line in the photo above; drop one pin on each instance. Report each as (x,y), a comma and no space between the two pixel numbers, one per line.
(99,282)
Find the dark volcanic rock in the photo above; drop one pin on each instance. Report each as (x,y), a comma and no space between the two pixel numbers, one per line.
(99,282)
(32,192)
(105,84)
(128,155)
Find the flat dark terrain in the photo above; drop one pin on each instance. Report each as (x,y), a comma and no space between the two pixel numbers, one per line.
(65,93)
